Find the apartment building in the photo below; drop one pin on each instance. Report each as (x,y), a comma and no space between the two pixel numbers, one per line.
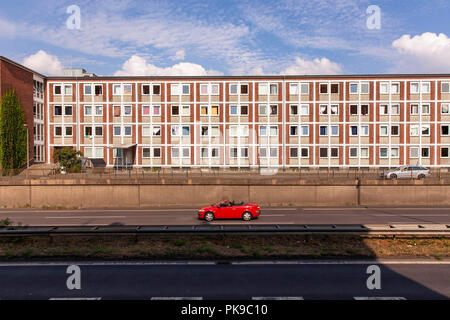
(248,121)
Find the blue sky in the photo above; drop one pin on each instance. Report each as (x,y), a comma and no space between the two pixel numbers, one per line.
(244,37)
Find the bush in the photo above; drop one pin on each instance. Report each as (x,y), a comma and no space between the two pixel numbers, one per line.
(69,159)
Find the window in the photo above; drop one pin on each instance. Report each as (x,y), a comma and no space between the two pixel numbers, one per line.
(175,89)
(414,130)
(156,110)
(395,88)
(99,131)
(215,131)
(445,87)
(383,109)
(293,130)
(293,88)
(323,130)
(394,130)
(186,130)
(323,152)
(395,109)
(334,130)
(414,87)
(117,111)
(67,110)
(244,89)
(127,110)
(353,152)
(414,109)
(186,89)
(157,92)
(233,110)
(204,110)
(263,130)
(445,108)
(233,131)
(98,89)
(334,152)
(58,131)
(353,88)
(364,109)
(87,89)
(203,89)
(414,152)
(394,153)
(117,89)
(175,110)
(57,90)
(244,130)
(383,152)
(87,110)
(117,153)
(305,131)
(293,109)
(156,152)
(323,109)
(304,88)
(233,89)
(175,152)
(185,111)
(364,131)
(444,130)
(117,131)
(145,131)
(244,152)
(262,109)
(98,110)
(273,110)
(293,152)
(146,110)
(304,109)
(364,152)
(87,132)
(305,152)
(273,131)
(335,88)
(127,88)
(365,88)
(425,152)
(425,109)
(145,152)
(334,109)
(383,131)
(175,131)
(68,131)
(353,109)
(273,152)
(323,88)
(156,131)
(425,87)
(273,88)
(68,89)
(353,130)
(263,88)
(215,89)
(146,92)
(425,130)
(214,110)
(204,153)
(205,131)
(127,130)
(244,110)
(444,152)
(384,88)
(58,110)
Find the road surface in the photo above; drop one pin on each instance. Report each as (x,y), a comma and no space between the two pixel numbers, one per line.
(295,280)
(188,216)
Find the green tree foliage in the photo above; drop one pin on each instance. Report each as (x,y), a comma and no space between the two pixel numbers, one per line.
(13,135)
(69,159)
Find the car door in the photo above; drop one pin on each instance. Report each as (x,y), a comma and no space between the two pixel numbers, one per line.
(221,211)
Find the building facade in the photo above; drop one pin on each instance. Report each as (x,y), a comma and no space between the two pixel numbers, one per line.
(264,121)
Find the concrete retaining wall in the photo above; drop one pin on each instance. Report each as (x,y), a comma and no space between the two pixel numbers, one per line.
(148,195)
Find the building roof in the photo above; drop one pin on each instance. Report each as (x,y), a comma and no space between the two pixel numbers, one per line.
(21,66)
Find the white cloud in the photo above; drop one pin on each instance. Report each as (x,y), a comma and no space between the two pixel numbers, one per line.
(138,66)
(428,53)
(316,66)
(44,63)
(179,55)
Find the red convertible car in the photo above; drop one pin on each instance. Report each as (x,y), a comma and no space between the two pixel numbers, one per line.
(230,210)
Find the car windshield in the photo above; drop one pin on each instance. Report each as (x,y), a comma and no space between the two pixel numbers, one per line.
(219,203)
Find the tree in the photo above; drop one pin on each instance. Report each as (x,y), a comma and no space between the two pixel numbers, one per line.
(69,159)
(13,135)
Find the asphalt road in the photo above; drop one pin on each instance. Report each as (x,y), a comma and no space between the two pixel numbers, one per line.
(188,216)
(237,281)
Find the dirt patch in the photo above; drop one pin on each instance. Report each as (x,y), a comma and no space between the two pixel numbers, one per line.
(221,247)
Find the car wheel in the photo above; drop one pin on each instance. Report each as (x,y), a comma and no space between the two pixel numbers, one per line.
(246,216)
(209,216)
(393,176)
(421,176)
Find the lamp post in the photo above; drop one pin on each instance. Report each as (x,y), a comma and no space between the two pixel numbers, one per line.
(28,152)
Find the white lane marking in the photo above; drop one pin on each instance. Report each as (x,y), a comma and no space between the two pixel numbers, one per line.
(379,298)
(176,298)
(81,298)
(90,217)
(277,298)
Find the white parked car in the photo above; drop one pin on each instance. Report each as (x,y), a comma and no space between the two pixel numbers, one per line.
(407,172)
